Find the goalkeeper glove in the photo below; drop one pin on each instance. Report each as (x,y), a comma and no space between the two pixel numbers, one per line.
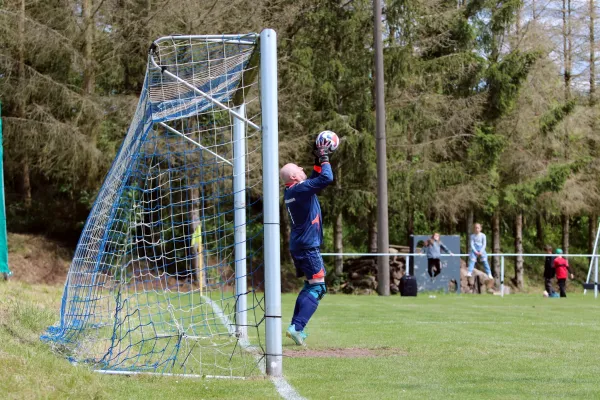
(321,152)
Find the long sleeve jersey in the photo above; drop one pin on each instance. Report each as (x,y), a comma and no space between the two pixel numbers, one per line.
(304,209)
(561,265)
(434,249)
(478,242)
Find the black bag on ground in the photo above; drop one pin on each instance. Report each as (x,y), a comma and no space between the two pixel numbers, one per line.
(408,286)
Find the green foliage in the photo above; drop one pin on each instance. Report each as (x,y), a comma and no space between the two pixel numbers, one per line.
(486,147)
(505,80)
(550,120)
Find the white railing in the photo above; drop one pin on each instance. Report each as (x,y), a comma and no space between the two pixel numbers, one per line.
(501,255)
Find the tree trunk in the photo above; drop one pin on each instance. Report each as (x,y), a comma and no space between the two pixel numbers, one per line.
(592,45)
(89,76)
(566,32)
(410,226)
(592,226)
(149,36)
(469,228)
(21,56)
(373,231)
(284,227)
(566,221)
(26,182)
(338,226)
(338,246)
(20,111)
(593,221)
(496,244)
(539,231)
(519,250)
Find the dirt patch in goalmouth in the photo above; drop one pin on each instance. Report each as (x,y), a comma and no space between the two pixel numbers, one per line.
(350,352)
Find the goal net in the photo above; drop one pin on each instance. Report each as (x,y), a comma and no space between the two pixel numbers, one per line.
(168,273)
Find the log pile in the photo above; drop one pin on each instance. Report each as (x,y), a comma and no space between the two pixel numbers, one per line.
(362,273)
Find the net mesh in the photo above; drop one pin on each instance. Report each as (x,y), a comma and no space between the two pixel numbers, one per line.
(152,286)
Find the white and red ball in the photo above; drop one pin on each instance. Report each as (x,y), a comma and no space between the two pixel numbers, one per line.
(329,137)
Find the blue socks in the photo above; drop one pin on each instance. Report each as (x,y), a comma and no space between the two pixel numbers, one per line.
(307,303)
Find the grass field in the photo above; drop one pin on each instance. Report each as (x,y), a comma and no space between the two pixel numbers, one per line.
(360,347)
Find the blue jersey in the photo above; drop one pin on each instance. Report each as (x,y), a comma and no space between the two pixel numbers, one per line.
(304,209)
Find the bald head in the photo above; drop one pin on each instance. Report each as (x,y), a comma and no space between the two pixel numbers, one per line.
(291,173)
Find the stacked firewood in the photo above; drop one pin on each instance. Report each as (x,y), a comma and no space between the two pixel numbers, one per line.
(362,273)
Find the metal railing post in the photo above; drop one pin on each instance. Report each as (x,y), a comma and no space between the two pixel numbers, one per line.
(502,276)
(596,277)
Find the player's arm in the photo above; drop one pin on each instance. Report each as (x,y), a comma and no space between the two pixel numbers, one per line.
(570,272)
(322,174)
(316,170)
(323,179)
(321,153)
(443,247)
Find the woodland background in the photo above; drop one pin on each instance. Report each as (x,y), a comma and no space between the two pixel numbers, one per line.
(492,111)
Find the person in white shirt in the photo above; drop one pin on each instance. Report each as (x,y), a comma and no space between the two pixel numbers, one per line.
(478,243)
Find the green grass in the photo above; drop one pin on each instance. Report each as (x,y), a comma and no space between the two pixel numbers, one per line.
(29,370)
(462,347)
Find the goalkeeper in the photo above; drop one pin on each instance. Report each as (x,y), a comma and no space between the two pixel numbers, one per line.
(303,207)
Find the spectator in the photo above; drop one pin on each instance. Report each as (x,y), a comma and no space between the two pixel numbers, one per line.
(549,273)
(561,265)
(433,248)
(478,253)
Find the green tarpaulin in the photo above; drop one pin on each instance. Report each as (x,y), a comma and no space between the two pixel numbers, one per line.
(3,236)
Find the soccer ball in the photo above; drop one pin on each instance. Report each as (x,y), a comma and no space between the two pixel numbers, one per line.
(331,137)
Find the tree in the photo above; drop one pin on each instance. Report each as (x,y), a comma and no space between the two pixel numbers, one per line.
(48,157)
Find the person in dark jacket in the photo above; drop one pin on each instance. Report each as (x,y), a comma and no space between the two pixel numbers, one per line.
(433,248)
(549,272)
(302,205)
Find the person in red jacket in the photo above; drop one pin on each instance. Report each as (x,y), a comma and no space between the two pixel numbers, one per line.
(561,265)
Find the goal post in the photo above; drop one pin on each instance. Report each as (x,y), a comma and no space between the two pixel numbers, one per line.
(268,60)
(177,269)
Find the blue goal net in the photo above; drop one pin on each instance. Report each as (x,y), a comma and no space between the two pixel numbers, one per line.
(167,276)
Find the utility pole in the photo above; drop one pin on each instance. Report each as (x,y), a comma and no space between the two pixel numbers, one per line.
(383,242)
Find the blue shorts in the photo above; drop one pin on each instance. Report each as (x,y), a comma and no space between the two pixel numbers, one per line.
(309,263)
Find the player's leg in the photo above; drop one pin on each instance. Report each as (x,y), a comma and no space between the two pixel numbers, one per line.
(430,265)
(308,302)
(314,289)
(548,286)
(306,305)
(311,263)
(298,259)
(472,261)
(561,284)
(486,264)
(437,267)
